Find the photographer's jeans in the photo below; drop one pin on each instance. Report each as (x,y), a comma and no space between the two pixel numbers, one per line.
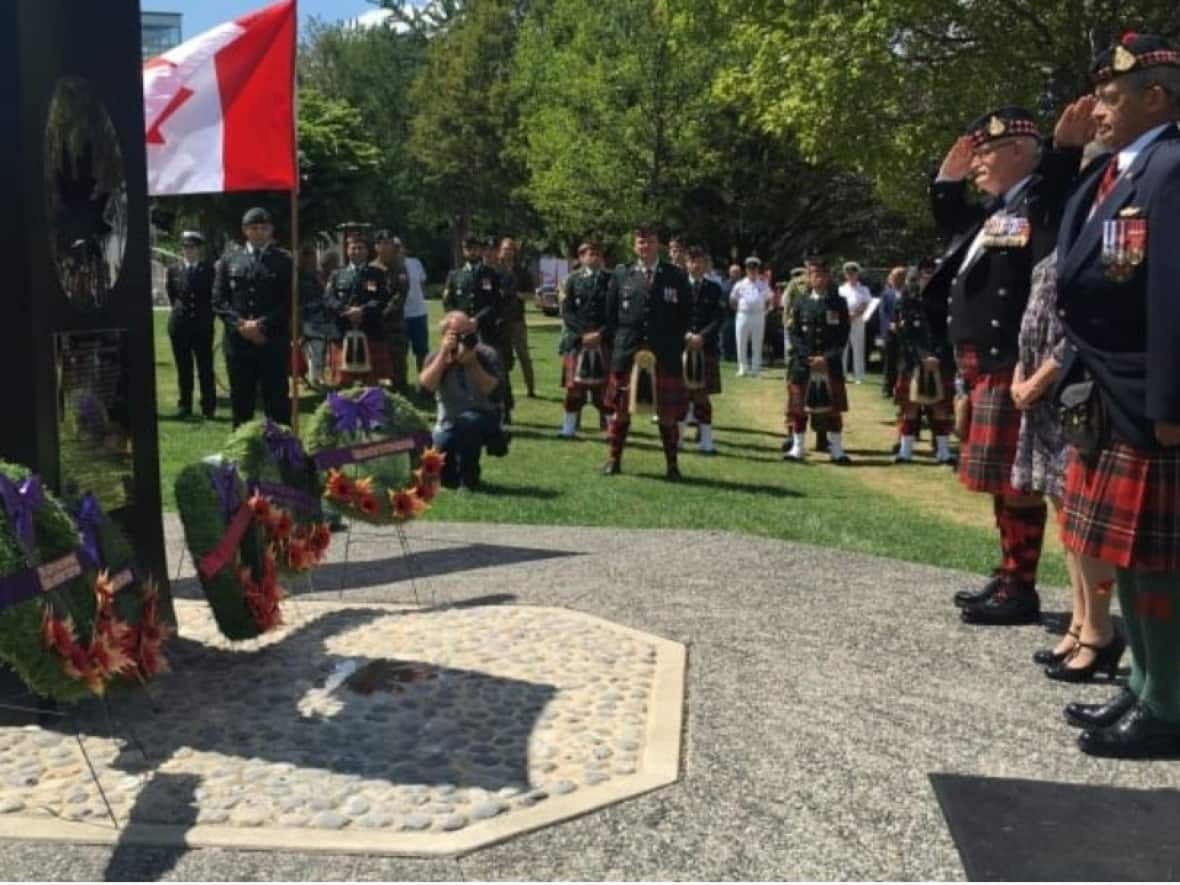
(463,443)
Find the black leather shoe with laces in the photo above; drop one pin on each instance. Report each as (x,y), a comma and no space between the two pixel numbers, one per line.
(1139,734)
(1010,604)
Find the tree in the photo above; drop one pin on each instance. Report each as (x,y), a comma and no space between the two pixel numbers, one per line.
(882,88)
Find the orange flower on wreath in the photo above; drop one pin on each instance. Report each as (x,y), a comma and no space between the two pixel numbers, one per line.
(298,556)
(432,461)
(339,487)
(282,525)
(369,504)
(57,633)
(319,538)
(362,486)
(426,488)
(406,504)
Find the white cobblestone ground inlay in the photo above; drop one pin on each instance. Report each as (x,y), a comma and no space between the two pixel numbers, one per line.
(529,715)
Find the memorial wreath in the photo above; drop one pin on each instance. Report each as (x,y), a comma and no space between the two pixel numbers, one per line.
(373,449)
(77,618)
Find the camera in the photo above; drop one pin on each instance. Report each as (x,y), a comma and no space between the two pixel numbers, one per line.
(470,341)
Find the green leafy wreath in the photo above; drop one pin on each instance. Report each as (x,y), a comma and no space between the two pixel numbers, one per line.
(285,492)
(373,449)
(235,564)
(91,624)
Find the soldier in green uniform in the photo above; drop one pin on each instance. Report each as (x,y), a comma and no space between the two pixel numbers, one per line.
(819,329)
(583,316)
(393,317)
(474,288)
(515,281)
(356,295)
(252,295)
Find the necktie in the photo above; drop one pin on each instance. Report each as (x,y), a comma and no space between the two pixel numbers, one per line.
(1106,185)
(647,276)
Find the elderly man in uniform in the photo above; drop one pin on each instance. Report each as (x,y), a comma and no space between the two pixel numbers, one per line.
(189,284)
(389,261)
(978,295)
(649,305)
(819,333)
(1118,267)
(252,295)
(583,315)
(356,296)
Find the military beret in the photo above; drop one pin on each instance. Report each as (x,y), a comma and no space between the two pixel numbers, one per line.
(1004,122)
(472,240)
(851,267)
(1133,52)
(257,215)
(191,238)
(753,261)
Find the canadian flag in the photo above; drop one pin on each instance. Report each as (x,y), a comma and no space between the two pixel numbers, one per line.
(220,108)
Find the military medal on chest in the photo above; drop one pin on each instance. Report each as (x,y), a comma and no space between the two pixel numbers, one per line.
(1005,231)
(1124,244)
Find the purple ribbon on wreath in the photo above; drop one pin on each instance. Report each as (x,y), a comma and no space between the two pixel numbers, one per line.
(224,480)
(366,412)
(89,519)
(283,446)
(20,503)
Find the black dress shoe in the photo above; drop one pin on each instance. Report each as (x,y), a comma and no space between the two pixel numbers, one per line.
(843,460)
(1047,657)
(1100,715)
(1010,604)
(672,474)
(1139,734)
(611,468)
(973,597)
(1106,658)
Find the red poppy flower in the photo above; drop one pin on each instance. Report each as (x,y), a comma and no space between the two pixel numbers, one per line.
(406,504)
(339,487)
(426,490)
(321,537)
(432,461)
(369,505)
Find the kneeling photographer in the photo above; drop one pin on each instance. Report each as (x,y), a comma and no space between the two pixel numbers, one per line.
(467,380)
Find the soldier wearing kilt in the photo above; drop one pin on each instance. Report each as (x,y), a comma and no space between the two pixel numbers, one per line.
(583,316)
(1119,387)
(708,314)
(918,347)
(980,290)
(648,305)
(357,296)
(819,330)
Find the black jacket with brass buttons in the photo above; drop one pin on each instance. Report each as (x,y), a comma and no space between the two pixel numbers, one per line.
(981,301)
(818,327)
(360,286)
(655,316)
(708,312)
(252,287)
(190,290)
(583,306)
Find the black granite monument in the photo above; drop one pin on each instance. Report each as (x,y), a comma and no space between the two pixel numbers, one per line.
(76,351)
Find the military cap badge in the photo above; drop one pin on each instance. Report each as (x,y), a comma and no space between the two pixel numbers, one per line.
(995,126)
(1124,59)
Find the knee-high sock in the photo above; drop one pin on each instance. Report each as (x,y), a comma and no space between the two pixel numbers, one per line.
(908,426)
(1128,591)
(1022,529)
(616,436)
(670,437)
(703,410)
(1157,613)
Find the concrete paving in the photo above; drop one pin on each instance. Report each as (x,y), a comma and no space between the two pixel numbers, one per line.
(823,691)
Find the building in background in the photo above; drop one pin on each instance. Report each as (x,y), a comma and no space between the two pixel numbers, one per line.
(161,31)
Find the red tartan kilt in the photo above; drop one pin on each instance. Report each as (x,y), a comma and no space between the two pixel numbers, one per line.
(797,397)
(901,390)
(1122,508)
(378,358)
(671,394)
(989,449)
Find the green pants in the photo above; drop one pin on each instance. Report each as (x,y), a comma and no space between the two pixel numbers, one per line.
(1150,603)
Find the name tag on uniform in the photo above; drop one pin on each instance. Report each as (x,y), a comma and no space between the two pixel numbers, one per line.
(1124,246)
(833,317)
(1004,231)
(671,296)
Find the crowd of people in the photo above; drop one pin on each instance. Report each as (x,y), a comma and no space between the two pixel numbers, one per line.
(1044,337)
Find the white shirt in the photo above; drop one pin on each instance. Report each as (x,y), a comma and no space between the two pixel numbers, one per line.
(749,296)
(1128,154)
(858,297)
(416,299)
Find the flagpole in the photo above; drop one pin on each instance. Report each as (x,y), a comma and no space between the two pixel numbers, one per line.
(296,324)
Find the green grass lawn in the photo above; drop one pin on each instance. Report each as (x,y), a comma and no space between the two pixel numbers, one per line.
(917,513)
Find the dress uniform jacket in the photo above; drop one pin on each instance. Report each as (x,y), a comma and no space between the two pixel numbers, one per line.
(818,327)
(190,291)
(397,290)
(583,306)
(474,289)
(983,300)
(1135,362)
(358,286)
(513,281)
(708,312)
(655,316)
(251,286)
(916,339)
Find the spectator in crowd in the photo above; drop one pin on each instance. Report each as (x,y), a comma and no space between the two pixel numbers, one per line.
(749,298)
(797,286)
(729,327)
(857,296)
(890,295)
(467,380)
(415,311)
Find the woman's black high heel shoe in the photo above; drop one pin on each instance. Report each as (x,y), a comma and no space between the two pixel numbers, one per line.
(1106,658)
(1047,657)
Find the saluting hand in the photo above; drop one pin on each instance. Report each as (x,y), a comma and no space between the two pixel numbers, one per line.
(957,162)
(1076,125)
(1167,433)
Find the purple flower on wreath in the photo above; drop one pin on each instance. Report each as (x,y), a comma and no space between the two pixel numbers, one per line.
(283,447)
(20,503)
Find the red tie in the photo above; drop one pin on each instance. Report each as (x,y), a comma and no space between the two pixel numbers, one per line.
(1109,177)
